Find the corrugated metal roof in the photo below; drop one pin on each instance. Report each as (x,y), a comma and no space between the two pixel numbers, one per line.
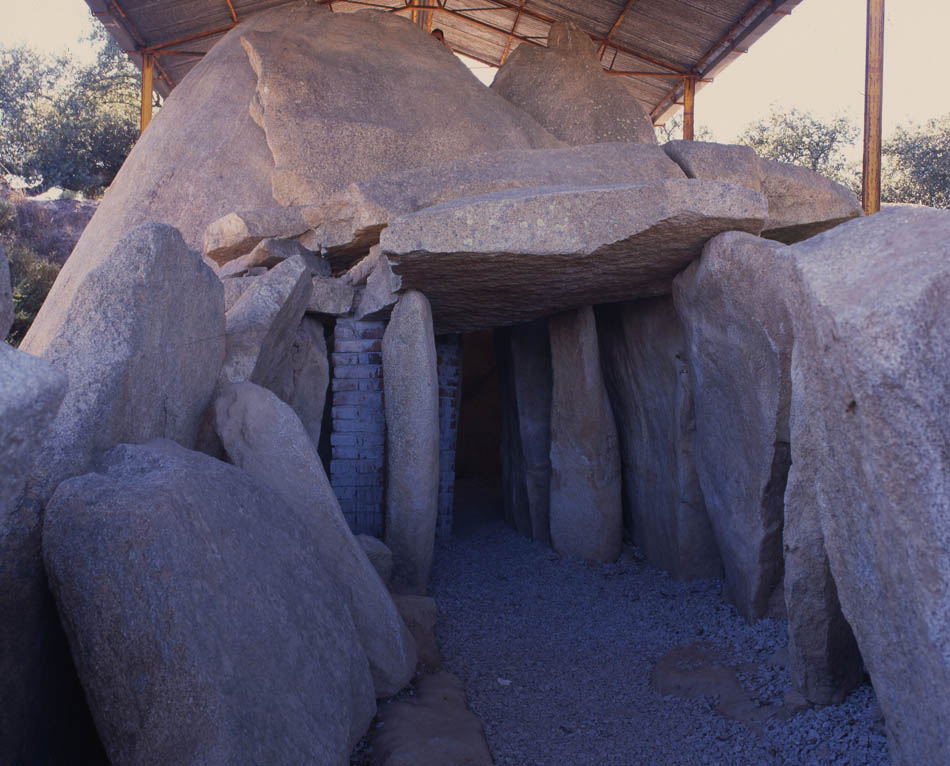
(655,43)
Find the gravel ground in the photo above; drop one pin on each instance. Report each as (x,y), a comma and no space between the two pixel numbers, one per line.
(556,656)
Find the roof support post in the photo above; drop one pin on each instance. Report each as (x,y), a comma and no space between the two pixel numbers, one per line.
(873,107)
(148,66)
(689,102)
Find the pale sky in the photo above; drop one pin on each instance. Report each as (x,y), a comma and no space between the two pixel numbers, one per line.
(812,60)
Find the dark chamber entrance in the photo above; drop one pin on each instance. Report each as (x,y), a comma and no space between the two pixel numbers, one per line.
(478,481)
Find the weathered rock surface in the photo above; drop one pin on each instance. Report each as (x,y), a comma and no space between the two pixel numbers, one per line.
(270,252)
(802,203)
(304,377)
(644,359)
(739,338)
(176,575)
(234,288)
(330,297)
(379,556)
(433,728)
(141,340)
(421,613)
(202,141)
(36,705)
(262,324)
(381,289)
(824,659)
(329,122)
(349,223)
(871,351)
(525,378)
(565,88)
(263,436)
(411,388)
(586,516)
(6,296)
(518,255)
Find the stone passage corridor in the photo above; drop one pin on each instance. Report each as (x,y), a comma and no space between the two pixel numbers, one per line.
(558,658)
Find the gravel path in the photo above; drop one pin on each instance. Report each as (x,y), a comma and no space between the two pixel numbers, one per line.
(556,656)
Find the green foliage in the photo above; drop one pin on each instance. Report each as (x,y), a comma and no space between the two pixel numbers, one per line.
(800,138)
(917,164)
(66,125)
(31,277)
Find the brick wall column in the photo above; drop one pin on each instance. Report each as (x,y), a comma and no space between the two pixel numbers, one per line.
(448,350)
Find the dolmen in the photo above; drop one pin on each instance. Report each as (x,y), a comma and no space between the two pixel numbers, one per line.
(710,354)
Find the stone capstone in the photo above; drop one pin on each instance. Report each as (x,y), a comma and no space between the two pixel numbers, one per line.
(329,124)
(264,436)
(141,341)
(586,516)
(802,203)
(564,87)
(644,358)
(411,398)
(518,255)
(172,571)
(870,375)
(739,341)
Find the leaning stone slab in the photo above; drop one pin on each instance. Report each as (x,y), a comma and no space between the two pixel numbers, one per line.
(739,342)
(379,556)
(264,436)
(345,226)
(802,203)
(304,376)
(270,252)
(262,324)
(35,715)
(411,387)
(564,87)
(177,577)
(644,359)
(141,342)
(585,512)
(319,80)
(381,290)
(518,255)
(871,365)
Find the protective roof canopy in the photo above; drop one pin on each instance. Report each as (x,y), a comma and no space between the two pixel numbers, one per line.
(656,44)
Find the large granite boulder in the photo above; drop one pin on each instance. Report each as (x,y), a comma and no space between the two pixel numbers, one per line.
(348,96)
(644,359)
(802,203)
(517,255)
(565,88)
(304,376)
(141,341)
(264,436)
(586,515)
(870,368)
(411,388)
(201,157)
(262,324)
(525,381)
(202,626)
(34,683)
(6,296)
(739,343)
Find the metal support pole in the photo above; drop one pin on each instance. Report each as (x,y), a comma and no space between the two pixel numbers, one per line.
(873,106)
(689,102)
(148,65)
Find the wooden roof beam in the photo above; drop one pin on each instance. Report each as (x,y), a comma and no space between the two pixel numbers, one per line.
(873,107)
(616,24)
(126,22)
(231,8)
(511,35)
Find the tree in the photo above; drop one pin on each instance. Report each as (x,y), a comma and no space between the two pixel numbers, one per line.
(672,130)
(65,125)
(917,164)
(802,139)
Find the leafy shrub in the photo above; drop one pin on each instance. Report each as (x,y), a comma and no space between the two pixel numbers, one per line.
(31,277)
